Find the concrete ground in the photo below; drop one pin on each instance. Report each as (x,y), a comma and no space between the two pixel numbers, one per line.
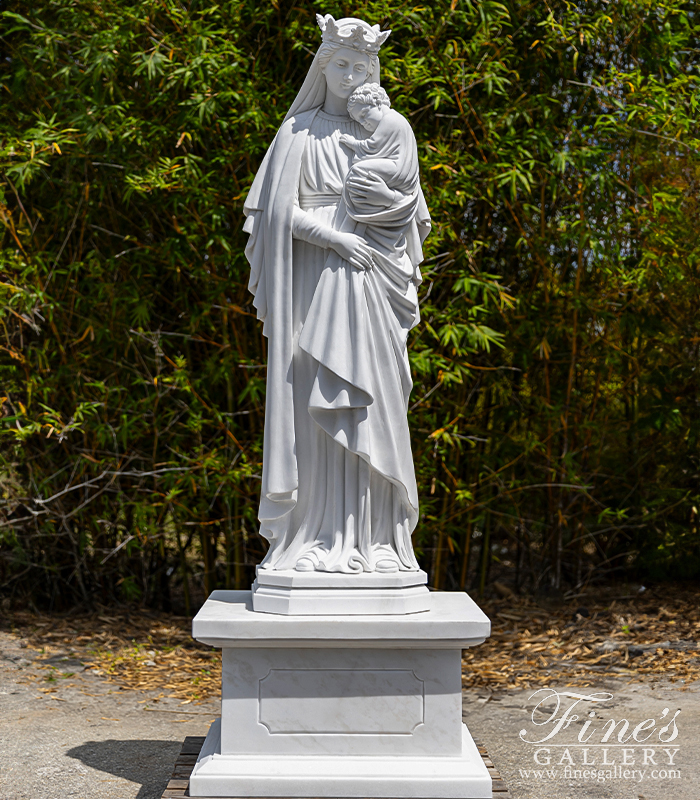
(499,719)
(83,737)
(78,736)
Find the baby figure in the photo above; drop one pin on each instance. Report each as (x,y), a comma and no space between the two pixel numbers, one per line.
(389,153)
(370,106)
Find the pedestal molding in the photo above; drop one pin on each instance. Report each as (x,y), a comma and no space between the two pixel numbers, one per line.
(227,619)
(440,778)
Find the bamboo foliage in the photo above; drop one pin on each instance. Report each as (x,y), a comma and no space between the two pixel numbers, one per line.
(555,409)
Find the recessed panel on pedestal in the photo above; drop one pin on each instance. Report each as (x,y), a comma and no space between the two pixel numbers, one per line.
(341,701)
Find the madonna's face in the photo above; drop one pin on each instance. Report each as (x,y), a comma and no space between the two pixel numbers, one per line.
(346,70)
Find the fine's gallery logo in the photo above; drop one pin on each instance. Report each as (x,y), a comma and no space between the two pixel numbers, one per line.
(576,738)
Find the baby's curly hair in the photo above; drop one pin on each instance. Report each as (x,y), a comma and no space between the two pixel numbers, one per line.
(369,94)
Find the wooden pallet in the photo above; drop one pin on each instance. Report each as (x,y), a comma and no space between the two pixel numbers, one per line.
(180,781)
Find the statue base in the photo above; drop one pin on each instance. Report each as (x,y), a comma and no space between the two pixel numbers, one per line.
(340,706)
(313,593)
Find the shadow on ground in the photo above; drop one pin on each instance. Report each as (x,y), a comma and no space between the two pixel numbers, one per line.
(149,762)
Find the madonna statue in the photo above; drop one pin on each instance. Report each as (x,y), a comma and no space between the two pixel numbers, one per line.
(334,251)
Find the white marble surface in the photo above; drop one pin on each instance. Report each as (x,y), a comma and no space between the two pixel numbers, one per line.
(314,593)
(341,702)
(340,580)
(332,776)
(227,619)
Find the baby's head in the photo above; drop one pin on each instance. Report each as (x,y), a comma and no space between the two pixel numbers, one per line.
(368,104)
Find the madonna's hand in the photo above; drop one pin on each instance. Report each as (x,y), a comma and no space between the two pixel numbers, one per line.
(366,187)
(352,248)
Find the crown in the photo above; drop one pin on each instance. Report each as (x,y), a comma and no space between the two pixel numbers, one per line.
(360,37)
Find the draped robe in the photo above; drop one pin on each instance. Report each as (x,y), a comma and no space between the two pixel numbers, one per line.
(338,480)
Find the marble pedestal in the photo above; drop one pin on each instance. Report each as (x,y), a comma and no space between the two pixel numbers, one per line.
(340,706)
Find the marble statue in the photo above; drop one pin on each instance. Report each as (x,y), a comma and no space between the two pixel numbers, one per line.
(336,219)
(341,673)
